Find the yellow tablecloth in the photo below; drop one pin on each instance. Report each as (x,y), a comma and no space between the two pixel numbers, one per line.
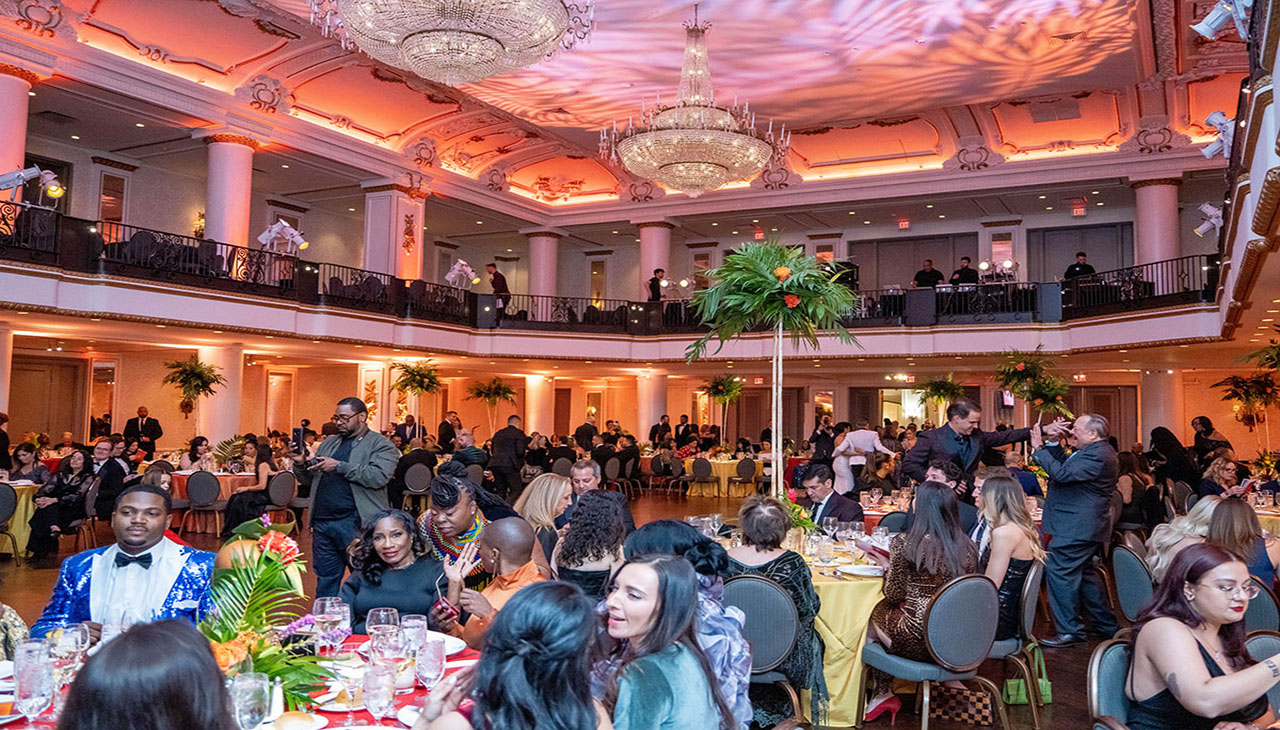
(842,624)
(18,524)
(722,470)
(1270,520)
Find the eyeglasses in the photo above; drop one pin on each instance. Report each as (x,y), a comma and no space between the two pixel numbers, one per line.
(1250,590)
(339,418)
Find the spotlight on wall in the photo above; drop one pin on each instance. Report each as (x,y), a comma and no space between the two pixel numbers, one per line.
(1214,22)
(984,265)
(1226,132)
(49,184)
(280,237)
(1212,219)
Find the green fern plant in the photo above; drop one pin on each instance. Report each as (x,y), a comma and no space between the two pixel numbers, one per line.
(941,391)
(723,389)
(416,378)
(193,379)
(491,392)
(228,450)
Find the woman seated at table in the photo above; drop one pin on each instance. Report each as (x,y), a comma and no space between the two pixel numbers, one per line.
(663,679)
(249,502)
(1012,547)
(58,504)
(1190,669)
(391,568)
(133,454)
(1170,538)
(545,499)
(198,457)
(1234,526)
(1220,479)
(930,553)
(459,512)
(26,467)
(536,454)
(877,474)
(592,545)
(544,636)
(764,522)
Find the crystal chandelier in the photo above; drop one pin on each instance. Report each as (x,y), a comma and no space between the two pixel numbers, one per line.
(693,146)
(455,41)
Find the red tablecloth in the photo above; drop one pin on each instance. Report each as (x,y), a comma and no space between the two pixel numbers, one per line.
(52,463)
(451,665)
(208,521)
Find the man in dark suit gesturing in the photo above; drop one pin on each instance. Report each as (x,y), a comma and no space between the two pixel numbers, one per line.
(959,440)
(509,445)
(146,430)
(1077,517)
(818,484)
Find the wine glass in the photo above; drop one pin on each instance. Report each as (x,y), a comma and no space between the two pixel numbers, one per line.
(381,619)
(829,525)
(876,494)
(33,679)
(716,521)
(429,663)
(379,690)
(329,613)
(66,647)
(826,553)
(349,670)
(250,699)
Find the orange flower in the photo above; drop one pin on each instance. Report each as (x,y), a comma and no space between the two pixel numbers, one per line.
(782,272)
(792,301)
(1020,366)
(228,653)
(280,544)
(1039,401)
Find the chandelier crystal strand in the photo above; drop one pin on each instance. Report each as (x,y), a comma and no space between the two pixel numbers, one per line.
(693,146)
(456,41)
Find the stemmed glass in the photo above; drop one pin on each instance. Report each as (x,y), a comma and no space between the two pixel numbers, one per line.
(349,670)
(429,663)
(829,525)
(876,494)
(381,619)
(844,533)
(379,690)
(826,553)
(250,699)
(33,679)
(390,646)
(716,520)
(331,614)
(66,647)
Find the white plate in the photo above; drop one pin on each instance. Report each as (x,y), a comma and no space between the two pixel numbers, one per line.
(452,644)
(408,715)
(333,706)
(6,669)
(861,570)
(317,722)
(6,719)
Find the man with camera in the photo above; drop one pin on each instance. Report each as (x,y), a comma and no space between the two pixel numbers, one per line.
(348,479)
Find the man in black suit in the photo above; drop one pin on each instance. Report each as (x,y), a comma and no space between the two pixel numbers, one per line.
(964,274)
(628,454)
(601,452)
(447,432)
(660,431)
(1077,519)
(685,432)
(958,440)
(612,432)
(583,436)
(560,450)
(500,290)
(110,478)
(823,442)
(410,429)
(509,445)
(146,430)
(585,476)
(416,455)
(946,472)
(819,483)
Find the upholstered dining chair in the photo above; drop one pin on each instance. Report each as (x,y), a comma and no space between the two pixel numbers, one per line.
(772,629)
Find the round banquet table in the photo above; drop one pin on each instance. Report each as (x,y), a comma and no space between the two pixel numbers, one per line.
(842,623)
(455,663)
(207,521)
(721,470)
(1269,518)
(21,516)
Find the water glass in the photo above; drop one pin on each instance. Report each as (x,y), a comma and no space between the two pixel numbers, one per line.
(380,690)
(330,614)
(415,630)
(826,552)
(881,535)
(429,663)
(859,530)
(388,645)
(876,494)
(250,699)
(829,526)
(33,679)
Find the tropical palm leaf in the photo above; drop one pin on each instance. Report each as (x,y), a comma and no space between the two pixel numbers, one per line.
(251,595)
(940,391)
(416,378)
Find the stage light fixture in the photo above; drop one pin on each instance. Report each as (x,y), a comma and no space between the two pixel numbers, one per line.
(1212,219)
(1226,132)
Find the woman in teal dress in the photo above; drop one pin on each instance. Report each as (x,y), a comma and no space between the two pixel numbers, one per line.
(664,681)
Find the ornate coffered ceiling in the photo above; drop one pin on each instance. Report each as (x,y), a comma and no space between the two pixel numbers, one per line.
(871,87)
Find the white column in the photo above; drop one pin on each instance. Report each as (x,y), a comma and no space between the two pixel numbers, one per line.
(1163,403)
(1156,236)
(544,259)
(655,252)
(539,407)
(15,88)
(6,366)
(393,219)
(219,414)
(651,402)
(229,189)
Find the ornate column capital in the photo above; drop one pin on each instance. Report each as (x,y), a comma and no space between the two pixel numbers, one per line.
(663,223)
(544,232)
(31,77)
(231,138)
(1156,181)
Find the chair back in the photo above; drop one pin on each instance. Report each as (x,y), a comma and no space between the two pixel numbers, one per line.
(1262,614)
(282,488)
(701,468)
(1031,599)
(773,623)
(894,522)
(8,504)
(203,489)
(165,466)
(1265,644)
(611,468)
(1108,672)
(91,500)
(1189,502)
(475,473)
(562,466)
(1134,542)
(627,469)
(1181,492)
(971,601)
(657,466)
(1117,506)
(417,479)
(1134,584)
(746,469)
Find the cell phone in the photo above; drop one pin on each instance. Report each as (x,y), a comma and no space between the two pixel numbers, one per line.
(299,441)
(444,605)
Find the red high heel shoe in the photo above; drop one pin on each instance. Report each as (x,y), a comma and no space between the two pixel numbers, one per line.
(891,706)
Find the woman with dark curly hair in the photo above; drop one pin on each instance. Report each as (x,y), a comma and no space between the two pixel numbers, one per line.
(460,510)
(390,567)
(592,545)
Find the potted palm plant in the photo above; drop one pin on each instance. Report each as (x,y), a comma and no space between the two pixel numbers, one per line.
(491,392)
(193,379)
(416,379)
(723,389)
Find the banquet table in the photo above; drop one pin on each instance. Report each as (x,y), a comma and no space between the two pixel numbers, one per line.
(52,463)
(721,470)
(842,623)
(455,663)
(1269,518)
(207,522)
(21,516)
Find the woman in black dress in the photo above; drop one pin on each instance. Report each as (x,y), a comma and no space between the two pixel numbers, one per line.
(249,502)
(26,466)
(592,546)
(1009,548)
(391,568)
(58,504)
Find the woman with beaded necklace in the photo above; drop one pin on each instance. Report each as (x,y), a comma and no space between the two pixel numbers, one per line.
(459,512)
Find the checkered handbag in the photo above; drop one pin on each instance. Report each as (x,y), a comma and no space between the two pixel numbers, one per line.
(967,706)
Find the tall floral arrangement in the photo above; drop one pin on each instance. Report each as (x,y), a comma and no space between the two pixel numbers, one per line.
(723,389)
(1029,376)
(194,379)
(772,287)
(941,391)
(491,392)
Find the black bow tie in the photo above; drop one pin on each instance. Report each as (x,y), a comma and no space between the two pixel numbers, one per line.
(123,560)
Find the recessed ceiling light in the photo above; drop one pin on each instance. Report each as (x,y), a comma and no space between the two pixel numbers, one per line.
(1100,205)
(75,136)
(755,220)
(614,232)
(853,212)
(1048,207)
(1042,197)
(139,124)
(775,230)
(161,326)
(715,224)
(733,232)
(1095,192)
(866,223)
(286,167)
(479,223)
(942,216)
(930,205)
(509,250)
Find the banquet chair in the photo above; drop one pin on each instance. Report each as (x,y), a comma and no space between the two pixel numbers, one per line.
(1262,613)
(1182,493)
(562,466)
(1108,668)
(970,601)
(1134,585)
(1189,502)
(746,475)
(1133,541)
(764,482)
(612,475)
(475,474)
(656,478)
(1018,649)
(417,487)
(701,473)
(673,480)
(85,527)
(161,465)
(894,522)
(203,490)
(8,506)
(281,489)
(1265,644)
(772,629)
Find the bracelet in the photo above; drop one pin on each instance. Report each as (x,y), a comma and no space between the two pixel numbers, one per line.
(1275,671)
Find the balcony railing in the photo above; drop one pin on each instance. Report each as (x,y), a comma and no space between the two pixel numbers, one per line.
(986,303)
(878,308)
(346,286)
(440,303)
(28,234)
(1186,280)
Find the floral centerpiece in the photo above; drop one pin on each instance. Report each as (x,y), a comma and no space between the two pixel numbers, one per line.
(254,599)
(1027,375)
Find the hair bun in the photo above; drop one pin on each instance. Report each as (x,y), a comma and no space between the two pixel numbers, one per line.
(452,469)
(707,557)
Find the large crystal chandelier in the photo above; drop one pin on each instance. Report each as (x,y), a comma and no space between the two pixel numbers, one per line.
(693,146)
(455,41)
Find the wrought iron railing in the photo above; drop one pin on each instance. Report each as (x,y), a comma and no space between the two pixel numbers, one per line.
(994,302)
(356,288)
(28,233)
(129,250)
(569,313)
(440,303)
(1185,280)
(878,307)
